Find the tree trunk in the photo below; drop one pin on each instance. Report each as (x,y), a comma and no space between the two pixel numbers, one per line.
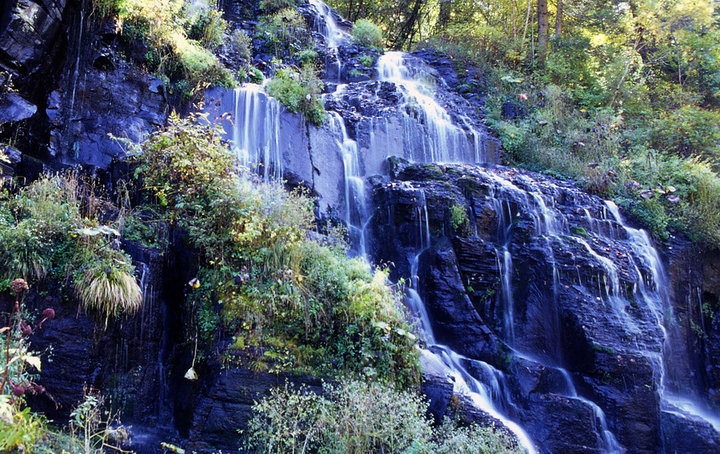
(543,28)
(444,15)
(558,19)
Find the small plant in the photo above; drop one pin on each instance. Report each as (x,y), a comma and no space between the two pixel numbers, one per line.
(108,286)
(299,91)
(367,34)
(285,33)
(366,60)
(459,218)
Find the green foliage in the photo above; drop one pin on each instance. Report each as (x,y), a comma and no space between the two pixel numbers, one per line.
(360,417)
(21,430)
(240,45)
(273,6)
(292,302)
(208,28)
(45,232)
(168,28)
(367,34)
(285,33)
(459,218)
(299,91)
(688,131)
(366,60)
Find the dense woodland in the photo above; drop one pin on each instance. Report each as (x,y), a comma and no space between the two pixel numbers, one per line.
(621,97)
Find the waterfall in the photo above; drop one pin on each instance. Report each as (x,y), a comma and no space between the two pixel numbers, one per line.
(355,213)
(256,131)
(655,292)
(327,26)
(483,395)
(76,71)
(435,136)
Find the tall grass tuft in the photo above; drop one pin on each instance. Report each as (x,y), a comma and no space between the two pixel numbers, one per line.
(109,291)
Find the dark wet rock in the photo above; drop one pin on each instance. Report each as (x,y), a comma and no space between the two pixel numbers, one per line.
(683,433)
(27,31)
(14,108)
(611,347)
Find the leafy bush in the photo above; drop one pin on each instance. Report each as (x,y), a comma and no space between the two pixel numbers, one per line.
(360,417)
(285,33)
(299,91)
(272,6)
(367,34)
(208,28)
(292,302)
(163,25)
(688,131)
(240,45)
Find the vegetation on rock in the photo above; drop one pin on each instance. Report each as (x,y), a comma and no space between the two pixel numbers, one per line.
(51,229)
(293,299)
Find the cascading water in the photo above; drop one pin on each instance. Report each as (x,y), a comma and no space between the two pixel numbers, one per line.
(442,358)
(327,26)
(256,131)
(436,137)
(356,216)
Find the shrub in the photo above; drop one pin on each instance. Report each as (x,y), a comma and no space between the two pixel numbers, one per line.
(367,34)
(292,302)
(43,232)
(366,60)
(162,24)
(299,92)
(284,32)
(240,44)
(272,6)
(208,28)
(688,131)
(359,417)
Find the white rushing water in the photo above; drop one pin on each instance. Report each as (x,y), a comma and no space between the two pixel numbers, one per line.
(334,35)
(442,359)
(435,136)
(256,131)
(356,211)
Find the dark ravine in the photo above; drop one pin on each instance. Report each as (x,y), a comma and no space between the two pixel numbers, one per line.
(582,329)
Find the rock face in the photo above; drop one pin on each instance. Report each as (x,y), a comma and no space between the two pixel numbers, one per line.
(74,85)
(27,31)
(550,286)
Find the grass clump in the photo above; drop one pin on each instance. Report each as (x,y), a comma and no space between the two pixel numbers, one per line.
(289,301)
(359,417)
(299,91)
(109,286)
(50,229)
(367,34)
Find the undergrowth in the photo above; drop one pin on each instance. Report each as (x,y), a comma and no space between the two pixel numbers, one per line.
(358,417)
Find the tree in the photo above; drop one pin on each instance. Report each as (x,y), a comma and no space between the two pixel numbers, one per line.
(543,28)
